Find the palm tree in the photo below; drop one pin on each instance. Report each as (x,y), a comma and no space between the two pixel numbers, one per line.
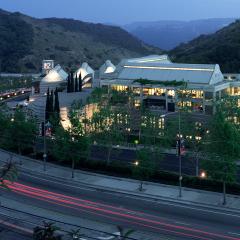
(8,172)
(47,232)
(75,234)
(124,234)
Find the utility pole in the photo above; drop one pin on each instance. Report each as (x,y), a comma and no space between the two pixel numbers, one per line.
(179,153)
(224,193)
(73,160)
(197,166)
(44,146)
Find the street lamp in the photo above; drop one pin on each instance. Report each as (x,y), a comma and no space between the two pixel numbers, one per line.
(140,188)
(203,174)
(73,161)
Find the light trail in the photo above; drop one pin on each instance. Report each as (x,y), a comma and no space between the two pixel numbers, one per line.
(122,220)
(114,213)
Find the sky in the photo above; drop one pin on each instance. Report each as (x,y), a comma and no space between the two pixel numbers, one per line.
(125,11)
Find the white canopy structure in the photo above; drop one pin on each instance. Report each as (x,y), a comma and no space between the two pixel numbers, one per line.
(107,67)
(87,73)
(53,79)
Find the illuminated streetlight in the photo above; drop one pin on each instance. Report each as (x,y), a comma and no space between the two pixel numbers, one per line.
(136,142)
(136,163)
(203,174)
(12,119)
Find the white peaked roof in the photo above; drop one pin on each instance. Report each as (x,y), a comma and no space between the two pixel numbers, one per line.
(152,68)
(149,59)
(85,69)
(107,67)
(57,74)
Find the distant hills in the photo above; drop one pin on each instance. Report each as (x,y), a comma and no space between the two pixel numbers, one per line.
(222,47)
(25,41)
(169,34)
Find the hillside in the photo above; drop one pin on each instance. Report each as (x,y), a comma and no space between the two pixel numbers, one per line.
(169,34)
(25,41)
(223,47)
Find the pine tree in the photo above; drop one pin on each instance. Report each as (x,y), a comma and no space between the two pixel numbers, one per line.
(47,106)
(72,83)
(56,102)
(56,107)
(69,83)
(80,83)
(51,104)
(76,83)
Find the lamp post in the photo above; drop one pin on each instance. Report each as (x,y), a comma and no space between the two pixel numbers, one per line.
(73,161)
(179,153)
(44,146)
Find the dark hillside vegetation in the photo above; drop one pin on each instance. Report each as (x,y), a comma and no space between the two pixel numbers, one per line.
(223,48)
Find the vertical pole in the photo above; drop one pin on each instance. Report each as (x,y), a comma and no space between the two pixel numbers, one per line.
(179,153)
(197,166)
(73,166)
(224,193)
(44,146)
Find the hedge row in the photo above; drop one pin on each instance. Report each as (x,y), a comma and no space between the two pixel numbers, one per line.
(119,169)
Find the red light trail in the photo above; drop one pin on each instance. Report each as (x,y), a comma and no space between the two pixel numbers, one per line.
(114,213)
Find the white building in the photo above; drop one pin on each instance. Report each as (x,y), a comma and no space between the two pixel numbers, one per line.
(155,81)
(87,75)
(55,78)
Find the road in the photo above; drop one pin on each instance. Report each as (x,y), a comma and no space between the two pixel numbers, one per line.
(158,219)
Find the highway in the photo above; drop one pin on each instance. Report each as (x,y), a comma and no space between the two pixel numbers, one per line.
(158,219)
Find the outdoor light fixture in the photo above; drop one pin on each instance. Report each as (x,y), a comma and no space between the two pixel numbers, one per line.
(203,175)
(136,163)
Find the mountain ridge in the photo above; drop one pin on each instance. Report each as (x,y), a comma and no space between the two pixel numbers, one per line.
(222,47)
(168,34)
(25,41)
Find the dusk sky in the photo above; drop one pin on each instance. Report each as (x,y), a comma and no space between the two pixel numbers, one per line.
(125,11)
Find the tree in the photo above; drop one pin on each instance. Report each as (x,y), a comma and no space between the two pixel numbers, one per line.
(69,83)
(47,108)
(75,234)
(124,234)
(80,82)
(76,84)
(70,145)
(106,129)
(46,232)
(56,101)
(72,83)
(56,104)
(22,132)
(144,167)
(51,104)
(8,173)
(222,150)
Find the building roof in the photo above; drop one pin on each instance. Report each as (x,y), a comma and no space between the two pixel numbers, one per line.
(149,59)
(57,74)
(107,67)
(85,70)
(166,71)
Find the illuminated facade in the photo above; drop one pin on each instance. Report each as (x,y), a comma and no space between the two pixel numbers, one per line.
(159,83)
